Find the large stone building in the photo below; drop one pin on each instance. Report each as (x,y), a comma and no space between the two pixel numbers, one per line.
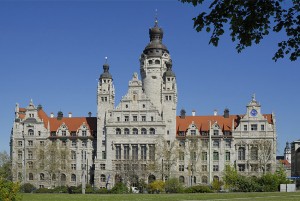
(141,137)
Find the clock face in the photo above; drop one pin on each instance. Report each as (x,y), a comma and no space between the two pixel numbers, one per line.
(253,112)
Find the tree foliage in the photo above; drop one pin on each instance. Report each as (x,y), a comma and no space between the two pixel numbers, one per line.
(173,186)
(156,186)
(5,166)
(250,21)
(9,191)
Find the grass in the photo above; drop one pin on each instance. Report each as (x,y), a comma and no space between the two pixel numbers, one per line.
(163,197)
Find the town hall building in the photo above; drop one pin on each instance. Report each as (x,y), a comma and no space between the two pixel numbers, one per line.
(141,137)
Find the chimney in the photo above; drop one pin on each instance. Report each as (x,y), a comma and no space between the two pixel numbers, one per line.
(70,114)
(215,112)
(51,115)
(90,114)
(226,113)
(182,114)
(193,113)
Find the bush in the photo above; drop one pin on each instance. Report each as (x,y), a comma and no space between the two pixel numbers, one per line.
(156,186)
(27,188)
(173,186)
(198,189)
(102,191)
(60,189)
(78,190)
(119,188)
(9,190)
(44,190)
(217,184)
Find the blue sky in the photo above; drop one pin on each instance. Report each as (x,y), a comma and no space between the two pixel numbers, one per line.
(53,52)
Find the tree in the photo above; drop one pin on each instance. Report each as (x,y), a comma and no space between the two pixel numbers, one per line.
(157,186)
(264,154)
(5,166)
(250,21)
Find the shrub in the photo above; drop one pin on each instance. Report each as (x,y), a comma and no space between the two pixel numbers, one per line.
(27,188)
(44,190)
(60,189)
(102,191)
(217,184)
(119,188)
(9,190)
(198,189)
(156,186)
(173,186)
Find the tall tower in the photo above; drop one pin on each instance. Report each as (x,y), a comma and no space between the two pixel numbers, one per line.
(153,66)
(105,102)
(287,152)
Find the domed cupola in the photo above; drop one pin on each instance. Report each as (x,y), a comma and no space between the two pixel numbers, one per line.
(169,72)
(105,74)
(155,47)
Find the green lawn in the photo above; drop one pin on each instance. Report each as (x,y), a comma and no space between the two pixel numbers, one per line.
(163,197)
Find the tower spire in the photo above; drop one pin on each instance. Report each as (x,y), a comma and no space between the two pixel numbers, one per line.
(156,19)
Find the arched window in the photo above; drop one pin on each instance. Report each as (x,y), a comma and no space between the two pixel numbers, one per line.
(181,179)
(254,153)
(151,178)
(216,178)
(195,180)
(30,176)
(54,177)
(102,178)
(118,131)
(144,131)
(152,131)
(73,177)
(135,131)
(30,132)
(42,177)
(63,177)
(157,62)
(241,153)
(150,62)
(126,131)
(204,179)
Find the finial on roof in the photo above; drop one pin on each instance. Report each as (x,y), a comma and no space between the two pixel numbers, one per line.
(253,97)
(156,21)
(106,59)
(31,102)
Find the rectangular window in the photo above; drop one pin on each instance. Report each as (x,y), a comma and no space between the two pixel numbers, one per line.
(118,167)
(64,143)
(103,155)
(42,143)
(193,155)
(204,168)
(73,155)
(102,166)
(53,133)
(126,118)
(73,143)
(254,127)
(245,128)
(216,132)
(103,142)
(135,152)
(227,133)
(152,118)
(215,168)
(30,143)
(134,118)
(204,156)
(204,133)
(262,127)
(118,152)
(126,152)
(181,156)
(118,118)
(84,143)
(143,118)
(181,168)
(241,167)
(227,156)
(20,155)
(143,152)
(152,152)
(182,143)
(84,133)
(30,155)
(216,156)
(63,133)
(228,143)
(181,133)
(216,143)
(20,143)
(73,134)
(73,166)
(193,132)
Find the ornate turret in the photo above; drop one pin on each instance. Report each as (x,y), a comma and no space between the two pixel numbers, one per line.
(155,47)
(105,74)
(287,152)
(169,72)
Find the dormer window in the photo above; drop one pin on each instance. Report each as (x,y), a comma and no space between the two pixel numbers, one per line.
(84,133)
(181,133)
(30,132)
(63,133)
(216,132)
(193,132)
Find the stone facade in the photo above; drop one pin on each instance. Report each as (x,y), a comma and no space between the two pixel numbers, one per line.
(141,137)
